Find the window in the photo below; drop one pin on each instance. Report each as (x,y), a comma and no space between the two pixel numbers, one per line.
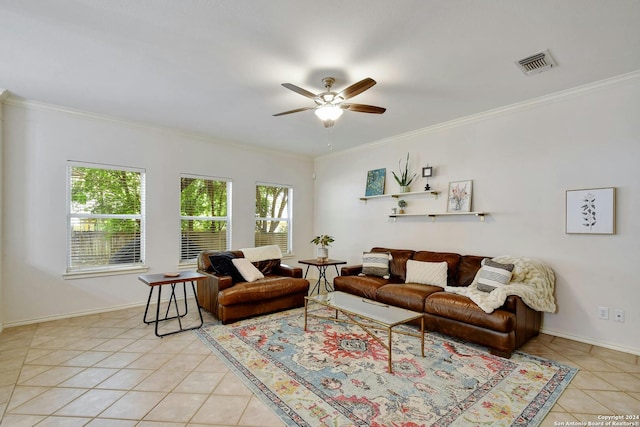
(105,218)
(205,213)
(273,216)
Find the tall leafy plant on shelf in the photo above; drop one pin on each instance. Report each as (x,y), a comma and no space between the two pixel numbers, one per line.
(402,177)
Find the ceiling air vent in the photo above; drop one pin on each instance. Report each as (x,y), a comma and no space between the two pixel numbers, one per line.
(537,63)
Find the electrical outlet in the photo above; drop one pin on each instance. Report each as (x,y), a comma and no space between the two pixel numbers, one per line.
(603,313)
(618,315)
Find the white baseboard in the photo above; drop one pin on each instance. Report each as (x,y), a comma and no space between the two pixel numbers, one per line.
(610,346)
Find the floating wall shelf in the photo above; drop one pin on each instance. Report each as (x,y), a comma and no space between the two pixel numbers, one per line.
(433,216)
(398,195)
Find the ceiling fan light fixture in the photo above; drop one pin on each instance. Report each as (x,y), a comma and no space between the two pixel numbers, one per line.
(328,112)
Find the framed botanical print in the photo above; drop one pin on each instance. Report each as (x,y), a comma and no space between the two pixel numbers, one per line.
(375,182)
(591,211)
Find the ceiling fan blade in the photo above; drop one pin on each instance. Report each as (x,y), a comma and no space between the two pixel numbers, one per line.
(361,108)
(298,89)
(297,110)
(357,88)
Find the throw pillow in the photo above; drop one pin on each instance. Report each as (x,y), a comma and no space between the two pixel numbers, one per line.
(376,264)
(222,265)
(247,269)
(427,273)
(493,275)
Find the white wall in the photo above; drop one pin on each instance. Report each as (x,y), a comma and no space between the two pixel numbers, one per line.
(521,160)
(39,140)
(2,96)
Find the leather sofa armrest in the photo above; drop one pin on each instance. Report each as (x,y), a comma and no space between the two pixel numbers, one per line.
(219,282)
(288,271)
(351,270)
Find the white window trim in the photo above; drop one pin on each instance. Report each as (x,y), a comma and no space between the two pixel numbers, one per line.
(72,273)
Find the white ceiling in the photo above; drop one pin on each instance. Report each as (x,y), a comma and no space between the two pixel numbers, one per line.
(214,67)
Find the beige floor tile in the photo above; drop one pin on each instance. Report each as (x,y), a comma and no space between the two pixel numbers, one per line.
(585,380)
(118,360)
(608,354)
(257,414)
(199,382)
(616,401)
(54,421)
(212,364)
(53,376)
(49,402)
(105,422)
(89,377)
(177,407)
(133,406)
(161,380)
(114,344)
(9,377)
(225,410)
(125,379)
(161,424)
(232,385)
(184,362)
(150,361)
(91,403)
(555,419)
(142,345)
(592,363)
(567,346)
(22,394)
(574,400)
(622,381)
(88,358)
(21,420)
(57,357)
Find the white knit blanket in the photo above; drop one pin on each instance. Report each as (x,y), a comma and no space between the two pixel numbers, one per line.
(531,281)
(262,253)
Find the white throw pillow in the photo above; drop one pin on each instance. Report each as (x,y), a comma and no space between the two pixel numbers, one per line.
(427,273)
(248,271)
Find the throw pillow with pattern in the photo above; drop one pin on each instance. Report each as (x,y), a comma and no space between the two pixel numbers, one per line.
(493,275)
(427,273)
(376,264)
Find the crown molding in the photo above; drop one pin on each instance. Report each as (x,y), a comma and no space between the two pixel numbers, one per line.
(496,112)
(20,102)
(4,94)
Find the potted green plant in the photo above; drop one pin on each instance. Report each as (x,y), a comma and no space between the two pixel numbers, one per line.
(402,204)
(403,179)
(323,241)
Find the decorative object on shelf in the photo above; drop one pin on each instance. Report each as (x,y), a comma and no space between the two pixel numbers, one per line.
(403,180)
(459,196)
(402,204)
(324,241)
(591,211)
(426,173)
(394,211)
(375,182)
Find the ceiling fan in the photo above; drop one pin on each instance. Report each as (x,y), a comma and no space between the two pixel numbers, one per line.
(330,105)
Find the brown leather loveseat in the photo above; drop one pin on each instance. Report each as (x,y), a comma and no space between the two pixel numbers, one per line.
(502,331)
(231,298)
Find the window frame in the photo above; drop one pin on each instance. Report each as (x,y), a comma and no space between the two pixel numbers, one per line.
(108,269)
(288,211)
(228,218)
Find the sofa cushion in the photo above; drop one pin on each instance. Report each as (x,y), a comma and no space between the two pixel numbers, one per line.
(222,265)
(267,266)
(459,307)
(398,262)
(262,290)
(452,260)
(493,275)
(409,296)
(248,271)
(427,273)
(366,286)
(375,264)
(467,270)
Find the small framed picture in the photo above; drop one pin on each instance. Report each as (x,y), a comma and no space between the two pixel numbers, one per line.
(591,211)
(375,182)
(427,172)
(459,196)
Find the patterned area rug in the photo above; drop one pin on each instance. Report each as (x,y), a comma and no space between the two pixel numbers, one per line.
(336,375)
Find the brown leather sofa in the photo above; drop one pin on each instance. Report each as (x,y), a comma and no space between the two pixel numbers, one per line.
(501,331)
(282,288)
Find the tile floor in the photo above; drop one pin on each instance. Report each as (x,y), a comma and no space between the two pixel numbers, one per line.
(111,370)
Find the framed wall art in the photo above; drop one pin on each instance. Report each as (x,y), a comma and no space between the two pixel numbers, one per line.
(427,172)
(375,182)
(591,211)
(459,199)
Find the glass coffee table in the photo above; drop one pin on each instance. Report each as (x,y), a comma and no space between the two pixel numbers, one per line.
(368,315)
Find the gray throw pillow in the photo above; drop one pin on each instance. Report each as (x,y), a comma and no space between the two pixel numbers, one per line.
(493,275)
